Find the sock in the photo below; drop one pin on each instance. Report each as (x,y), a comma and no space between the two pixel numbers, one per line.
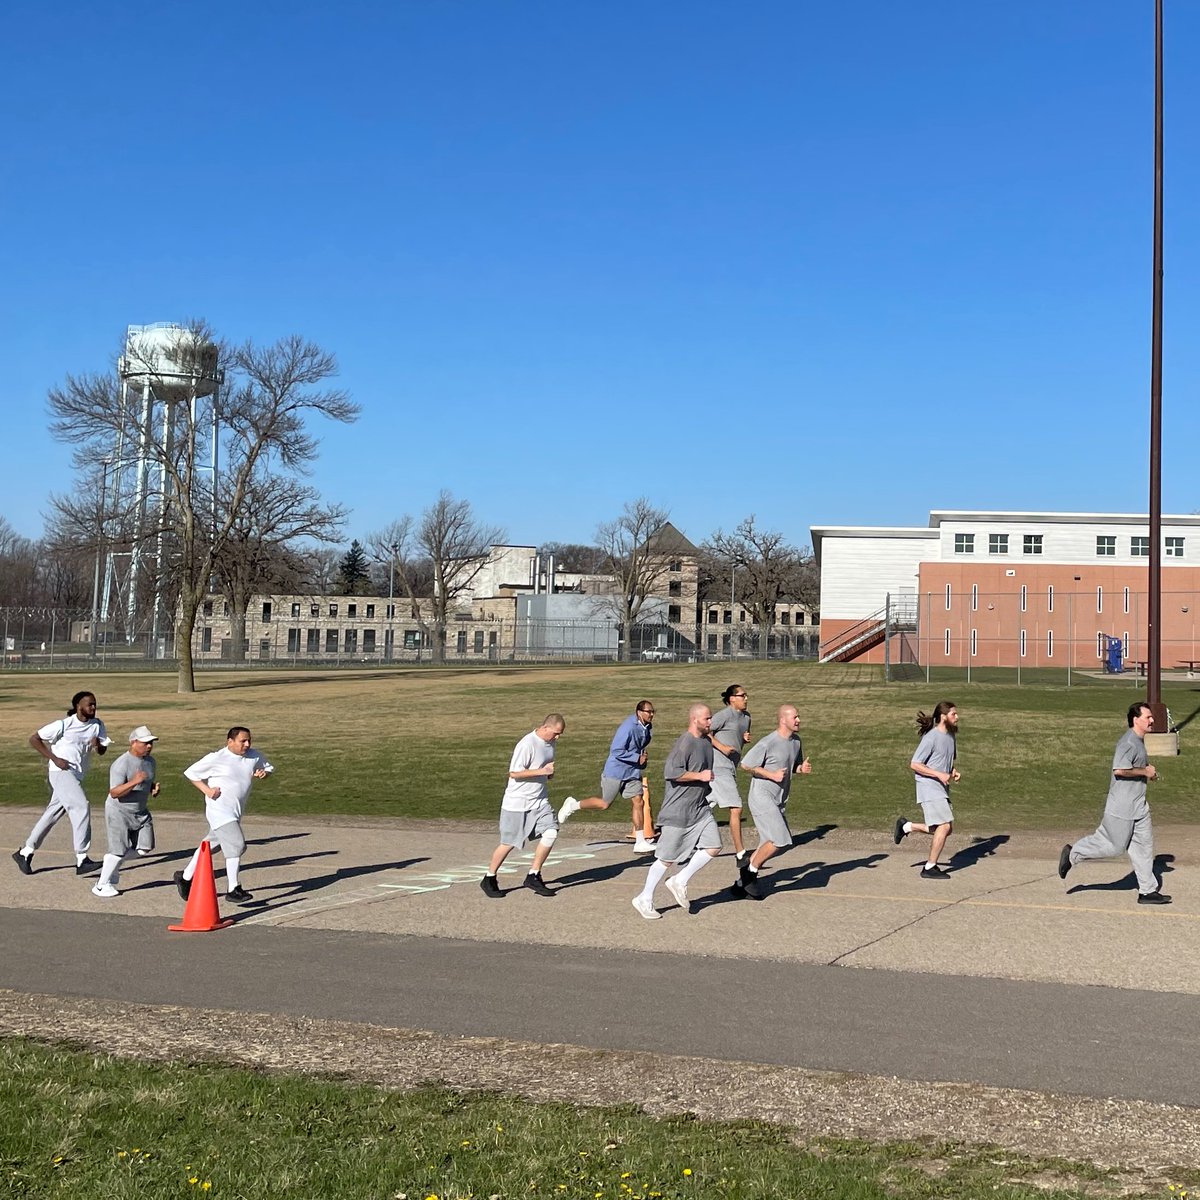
(699,859)
(908,827)
(108,873)
(80,857)
(231,873)
(653,878)
(27,851)
(930,865)
(190,869)
(751,867)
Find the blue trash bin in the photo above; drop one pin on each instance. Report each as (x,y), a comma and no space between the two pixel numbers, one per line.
(1114,663)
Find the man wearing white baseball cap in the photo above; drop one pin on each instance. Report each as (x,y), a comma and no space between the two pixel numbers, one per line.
(127,817)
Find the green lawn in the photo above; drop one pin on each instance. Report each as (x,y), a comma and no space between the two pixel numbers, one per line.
(420,742)
(76,1124)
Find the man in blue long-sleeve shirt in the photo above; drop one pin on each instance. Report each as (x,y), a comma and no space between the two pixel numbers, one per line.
(622,773)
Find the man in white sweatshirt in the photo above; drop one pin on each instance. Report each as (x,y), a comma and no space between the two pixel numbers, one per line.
(225,777)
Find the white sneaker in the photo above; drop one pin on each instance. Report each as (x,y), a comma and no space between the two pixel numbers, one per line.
(569,806)
(644,845)
(144,853)
(646,909)
(679,891)
(105,889)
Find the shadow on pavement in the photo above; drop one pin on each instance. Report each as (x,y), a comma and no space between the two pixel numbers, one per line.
(602,871)
(318,882)
(1127,883)
(817,874)
(968,856)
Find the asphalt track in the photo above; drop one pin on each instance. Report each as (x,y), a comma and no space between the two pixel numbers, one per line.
(1001,976)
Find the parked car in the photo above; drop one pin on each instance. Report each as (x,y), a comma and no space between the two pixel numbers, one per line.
(658,654)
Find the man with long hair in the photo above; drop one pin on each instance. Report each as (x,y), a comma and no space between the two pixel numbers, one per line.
(933,767)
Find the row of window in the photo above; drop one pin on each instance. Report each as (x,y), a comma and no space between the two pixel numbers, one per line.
(1024,598)
(314,610)
(724,616)
(1106,545)
(1023,640)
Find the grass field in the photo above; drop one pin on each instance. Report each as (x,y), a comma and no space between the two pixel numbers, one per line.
(78,1124)
(428,743)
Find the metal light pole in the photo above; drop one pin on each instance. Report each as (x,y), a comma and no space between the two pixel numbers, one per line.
(106,462)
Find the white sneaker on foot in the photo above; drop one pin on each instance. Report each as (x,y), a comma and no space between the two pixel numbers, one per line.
(105,889)
(569,805)
(644,845)
(679,891)
(646,909)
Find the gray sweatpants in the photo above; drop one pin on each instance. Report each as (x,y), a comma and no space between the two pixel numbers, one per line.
(1120,835)
(66,799)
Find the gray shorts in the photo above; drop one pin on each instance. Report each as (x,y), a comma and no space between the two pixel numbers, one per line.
(229,838)
(611,788)
(677,843)
(517,828)
(723,790)
(771,822)
(128,825)
(937,812)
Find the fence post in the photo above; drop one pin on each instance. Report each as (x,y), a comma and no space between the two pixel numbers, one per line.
(887,638)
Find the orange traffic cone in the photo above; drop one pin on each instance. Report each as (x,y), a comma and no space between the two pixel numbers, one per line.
(202,914)
(647,817)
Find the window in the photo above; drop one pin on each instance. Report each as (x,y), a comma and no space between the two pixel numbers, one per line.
(208,608)
(293,641)
(947,643)
(815,619)
(728,617)
(461,640)
(1049,643)
(314,610)
(350,641)
(742,615)
(1106,545)
(712,643)
(412,639)
(368,641)
(370,611)
(331,641)
(1139,547)
(1050,598)
(390,611)
(974,596)
(266,610)
(295,610)
(314,641)
(948,597)
(352,610)
(333,610)
(964,543)
(1024,597)
(1099,599)
(1032,543)
(712,616)
(1126,599)
(799,618)
(676,566)
(479,641)
(206,638)
(675,588)
(785,618)
(674,613)
(264,648)
(1023,643)
(1174,547)
(997,543)
(974,642)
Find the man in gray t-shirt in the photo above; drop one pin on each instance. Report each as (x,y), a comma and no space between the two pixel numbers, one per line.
(933,768)
(772,762)
(730,734)
(131,784)
(1125,827)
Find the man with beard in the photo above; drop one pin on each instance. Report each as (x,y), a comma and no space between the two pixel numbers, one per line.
(933,766)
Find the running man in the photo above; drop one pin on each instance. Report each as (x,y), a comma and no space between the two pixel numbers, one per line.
(525,811)
(730,732)
(67,745)
(772,762)
(689,830)
(225,777)
(933,766)
(1125,827)
(131,784)
(622,772)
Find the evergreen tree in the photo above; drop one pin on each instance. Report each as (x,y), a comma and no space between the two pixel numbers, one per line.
(354,577)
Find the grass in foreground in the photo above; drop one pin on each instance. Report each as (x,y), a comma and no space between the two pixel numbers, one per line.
(79,1124)
(419,742)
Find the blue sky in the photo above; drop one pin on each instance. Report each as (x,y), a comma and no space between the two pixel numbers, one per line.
(828,264)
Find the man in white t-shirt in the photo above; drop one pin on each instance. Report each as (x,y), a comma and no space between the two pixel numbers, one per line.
(225,777)
(525,811)
(67,745)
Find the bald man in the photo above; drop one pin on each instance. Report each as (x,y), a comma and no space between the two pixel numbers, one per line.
(689,830)
(772,762)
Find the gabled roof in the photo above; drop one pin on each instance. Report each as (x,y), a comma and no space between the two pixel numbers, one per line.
(668,540)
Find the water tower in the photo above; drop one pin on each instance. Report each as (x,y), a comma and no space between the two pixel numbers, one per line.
(170,378)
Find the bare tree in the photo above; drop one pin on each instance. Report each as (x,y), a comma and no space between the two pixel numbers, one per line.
(574,557)
(768,571)
(271,393)
(638,567)
(450,542)
(318,569)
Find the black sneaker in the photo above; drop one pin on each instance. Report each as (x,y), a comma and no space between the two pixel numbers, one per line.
(490,887)
(182,886)
(741,857)
(898,834)
(1064,861)
(24,862)
(934,873)
(1153,898)
(239,895)
(744,872)
(751,886)
(536,883)
(87,867)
